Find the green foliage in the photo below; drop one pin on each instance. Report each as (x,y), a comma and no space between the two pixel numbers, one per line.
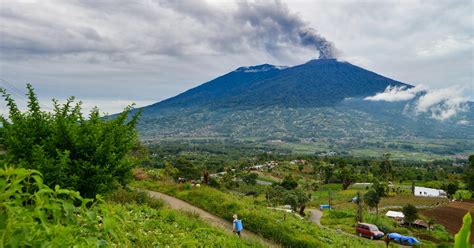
(469,174)
(89,155)
(250,178)
(461,239)
(451,188)
(34,215)
(380,187)
(124,196)
(289,183)
(410,212)
(463,195)
(372,199)
(384,223)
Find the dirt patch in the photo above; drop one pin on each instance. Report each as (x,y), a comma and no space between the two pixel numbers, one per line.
(450,216)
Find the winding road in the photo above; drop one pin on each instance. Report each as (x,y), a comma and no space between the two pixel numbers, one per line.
(212,219)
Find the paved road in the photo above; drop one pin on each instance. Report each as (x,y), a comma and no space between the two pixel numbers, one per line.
(214,220)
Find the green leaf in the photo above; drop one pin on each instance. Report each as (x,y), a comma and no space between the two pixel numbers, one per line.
(461,240)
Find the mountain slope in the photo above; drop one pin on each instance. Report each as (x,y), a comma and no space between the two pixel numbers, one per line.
(318,100)
(322,82)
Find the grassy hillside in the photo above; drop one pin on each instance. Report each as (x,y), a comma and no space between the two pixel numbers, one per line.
(35,215)
(280,227)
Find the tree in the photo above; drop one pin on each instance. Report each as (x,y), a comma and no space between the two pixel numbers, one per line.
(469,174)
(346,176)
(386,167)
(186,168)
(380,188)
(410,212)
(169,170)
(205,176)
(451,188)
(372,199)
(250,178)
(91,155)
(328,172)
(289,183)
(360,213)
(297,199)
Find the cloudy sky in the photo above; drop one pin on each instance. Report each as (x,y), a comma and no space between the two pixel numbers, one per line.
(112,53)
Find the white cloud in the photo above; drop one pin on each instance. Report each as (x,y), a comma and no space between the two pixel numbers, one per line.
(441,104)
(396,93)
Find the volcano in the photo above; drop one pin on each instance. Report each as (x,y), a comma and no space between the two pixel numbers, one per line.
(321,99)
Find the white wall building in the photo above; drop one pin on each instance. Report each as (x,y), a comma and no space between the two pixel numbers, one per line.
(429,192)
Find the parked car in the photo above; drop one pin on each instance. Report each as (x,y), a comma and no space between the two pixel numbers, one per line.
(404,240)
(369,230)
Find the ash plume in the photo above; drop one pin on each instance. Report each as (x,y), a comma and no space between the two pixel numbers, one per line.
(266,24)
(326,48)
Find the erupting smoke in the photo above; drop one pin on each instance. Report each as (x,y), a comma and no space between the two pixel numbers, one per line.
(311,38)
(265,24)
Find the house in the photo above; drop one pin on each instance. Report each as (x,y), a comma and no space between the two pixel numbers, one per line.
(429,192)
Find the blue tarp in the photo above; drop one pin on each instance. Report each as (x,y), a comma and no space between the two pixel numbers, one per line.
(324,206)
(403,239)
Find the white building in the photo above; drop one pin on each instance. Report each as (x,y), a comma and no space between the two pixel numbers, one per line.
(395,214)
(429,192)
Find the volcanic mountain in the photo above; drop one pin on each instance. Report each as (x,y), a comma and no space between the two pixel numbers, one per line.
(321,99)
(322,82)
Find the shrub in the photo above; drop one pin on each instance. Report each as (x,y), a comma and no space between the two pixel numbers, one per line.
(123,195)
(89,155)
(339,214)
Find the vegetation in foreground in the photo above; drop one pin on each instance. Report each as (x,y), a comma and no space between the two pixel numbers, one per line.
(34,215)
(46,157)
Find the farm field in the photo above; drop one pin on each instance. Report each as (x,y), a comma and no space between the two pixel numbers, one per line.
(451,215)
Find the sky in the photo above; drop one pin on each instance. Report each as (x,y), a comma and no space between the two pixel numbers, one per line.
(112,53)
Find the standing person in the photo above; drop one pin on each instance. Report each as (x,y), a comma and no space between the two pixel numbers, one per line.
(237,225)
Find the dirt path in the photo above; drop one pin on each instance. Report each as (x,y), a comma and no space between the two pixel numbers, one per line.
(214,220)
(315,216)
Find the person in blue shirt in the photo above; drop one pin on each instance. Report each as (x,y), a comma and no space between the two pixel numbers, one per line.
(237,225)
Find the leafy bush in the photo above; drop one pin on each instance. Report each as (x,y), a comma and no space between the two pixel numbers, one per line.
(339,214)
(123,195)
(89,155)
